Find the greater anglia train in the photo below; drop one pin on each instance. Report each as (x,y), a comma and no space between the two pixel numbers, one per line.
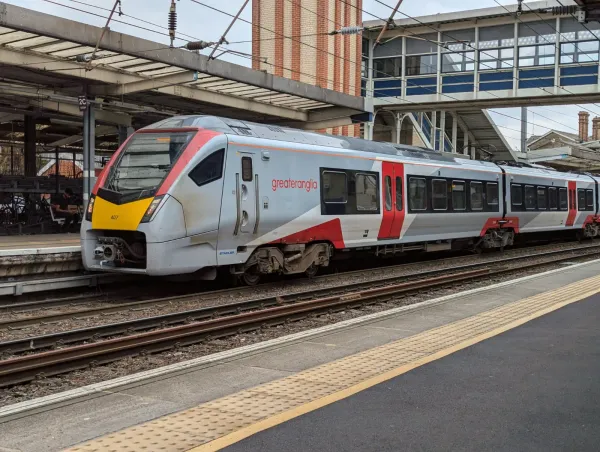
(202,194)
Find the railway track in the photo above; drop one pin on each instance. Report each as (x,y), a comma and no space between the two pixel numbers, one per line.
(217,321)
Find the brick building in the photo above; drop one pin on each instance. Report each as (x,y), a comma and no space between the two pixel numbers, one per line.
(293,36)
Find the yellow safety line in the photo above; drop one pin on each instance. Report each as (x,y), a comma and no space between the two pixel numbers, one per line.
(280,418)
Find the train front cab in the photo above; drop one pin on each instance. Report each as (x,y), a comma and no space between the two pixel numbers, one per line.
(155,209)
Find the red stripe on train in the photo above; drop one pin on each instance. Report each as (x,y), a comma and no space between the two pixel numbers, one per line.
(330,231)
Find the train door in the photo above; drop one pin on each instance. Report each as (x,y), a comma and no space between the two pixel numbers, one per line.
(248,213)
(392,193)
(572,204)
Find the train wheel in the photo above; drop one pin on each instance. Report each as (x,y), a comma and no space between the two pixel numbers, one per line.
(250,278)
(312,271)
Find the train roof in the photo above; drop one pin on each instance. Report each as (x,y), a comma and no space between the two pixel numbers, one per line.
(297,136)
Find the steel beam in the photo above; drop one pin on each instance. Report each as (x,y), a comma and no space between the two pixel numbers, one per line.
(100,131)
(146,85)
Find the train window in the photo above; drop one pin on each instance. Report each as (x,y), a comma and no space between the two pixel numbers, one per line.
(541,198)
(366,192)
(459,195)
(589,199)
(417,193)
(335,189)
(439,190)
(581,199)
(492,195)
(516,194)
(552,198)
(398,193)
(530,201)
(563,203)
(476,195)
(208,170)
(388,193)
(247,169)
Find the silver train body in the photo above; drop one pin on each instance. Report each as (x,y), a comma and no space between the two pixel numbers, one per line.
(197,193)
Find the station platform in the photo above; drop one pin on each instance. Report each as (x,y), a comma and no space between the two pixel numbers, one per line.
(512,366)
(39,254)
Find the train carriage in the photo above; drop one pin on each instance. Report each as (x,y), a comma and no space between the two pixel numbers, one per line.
(198,193)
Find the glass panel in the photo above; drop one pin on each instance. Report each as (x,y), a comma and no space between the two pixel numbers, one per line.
(388,193)
(417,194)
(589,195)
(146,161)
(459,196)
(440,194)
(387,67)
(366,192)
(334,187)
(476,195)
(552,198)
(428,44)
(491,193)
(208,170)
(541,198)
(421,64)
(247,169)
(530,201)
(498,36)
(581,199)
(562,199)
(516,195)
(398,193)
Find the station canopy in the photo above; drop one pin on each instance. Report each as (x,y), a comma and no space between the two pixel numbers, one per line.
(134,82)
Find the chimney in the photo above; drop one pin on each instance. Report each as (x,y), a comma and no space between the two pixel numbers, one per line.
(583,125)
(596,128)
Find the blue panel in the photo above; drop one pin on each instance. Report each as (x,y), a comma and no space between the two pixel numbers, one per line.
(388,92)
(579,70)
(583,80)
(465,88)
(536,83)
(453,79)
(388,84)
(535,73)
(495,85)
(420,90)
(428,81)
(494,76)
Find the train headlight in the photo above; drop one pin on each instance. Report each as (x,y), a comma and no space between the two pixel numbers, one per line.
(152,208)
(90,208)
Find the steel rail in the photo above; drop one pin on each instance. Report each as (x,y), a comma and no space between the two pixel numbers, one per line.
(27,368)
(208,295)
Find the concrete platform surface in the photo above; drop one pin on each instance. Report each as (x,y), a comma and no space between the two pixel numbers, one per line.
(221,401)
(28,244)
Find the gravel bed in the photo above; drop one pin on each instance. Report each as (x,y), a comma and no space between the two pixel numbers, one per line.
(127,366)
(244,293)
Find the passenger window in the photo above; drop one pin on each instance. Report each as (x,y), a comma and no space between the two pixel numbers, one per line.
(530,201)
(398,194)
(541,198)
(440,194)
(417,194)
(581,199)
(208,170)
(589,199)
(552,198)
(476,195)
(247,169)
(563,203)
(335,189)
(492,195)
(459,195)
(516,195)
(366,192)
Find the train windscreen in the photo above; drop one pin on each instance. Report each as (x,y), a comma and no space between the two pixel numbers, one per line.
(146,161)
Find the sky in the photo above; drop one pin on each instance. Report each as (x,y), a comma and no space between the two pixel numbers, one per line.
(196,21)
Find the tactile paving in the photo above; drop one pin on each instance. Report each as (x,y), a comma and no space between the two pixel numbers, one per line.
(200,425)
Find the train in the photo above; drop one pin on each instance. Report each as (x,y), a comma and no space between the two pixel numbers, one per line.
(202,195)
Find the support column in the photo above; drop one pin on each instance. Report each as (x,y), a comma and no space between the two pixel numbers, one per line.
(398,127)
(434,130)
(523,129)
(466,148)
(442,131)
(30,147)
(89,152)
(56,170)
(454,132)
(124,133)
